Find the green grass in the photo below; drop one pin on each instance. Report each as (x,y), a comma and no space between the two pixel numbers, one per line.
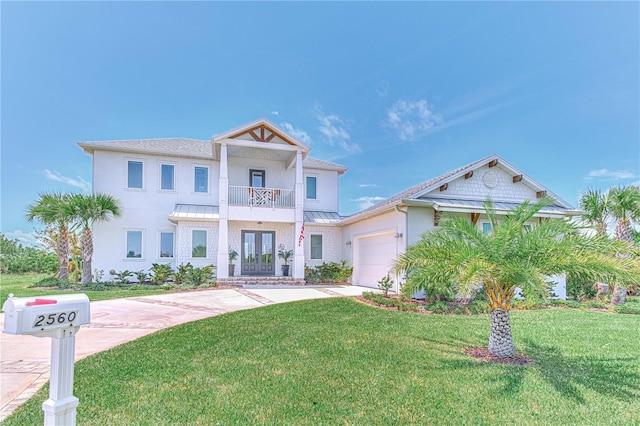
(338,361)
(18,284)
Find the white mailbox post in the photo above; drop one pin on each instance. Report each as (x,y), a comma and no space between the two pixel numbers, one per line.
(58,317)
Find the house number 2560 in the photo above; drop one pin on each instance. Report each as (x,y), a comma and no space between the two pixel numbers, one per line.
(53,319)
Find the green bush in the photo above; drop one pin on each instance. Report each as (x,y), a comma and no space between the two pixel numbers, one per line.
(199,276)
(328,272)
(180,275)
(160,273)
(51,282)
(385,285)
(17,259)
(580,289)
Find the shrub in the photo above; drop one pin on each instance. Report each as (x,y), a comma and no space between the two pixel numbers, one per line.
(198,276)
(180,275)
(141,276)
(329,272)
(580,289)
(51,282)
(122,277)
(17,259)
(160,273)
(385,284)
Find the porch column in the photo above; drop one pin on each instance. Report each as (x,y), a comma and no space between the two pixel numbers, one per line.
(222,268)
(298,259)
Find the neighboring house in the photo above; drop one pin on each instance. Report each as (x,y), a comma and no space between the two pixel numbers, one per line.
(254,189)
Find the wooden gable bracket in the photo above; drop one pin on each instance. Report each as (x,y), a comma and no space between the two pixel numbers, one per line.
(436,217)
(475,217)
(444,187)
(493,163)
(253,135)
(541,194)
(517,178)
(468,175)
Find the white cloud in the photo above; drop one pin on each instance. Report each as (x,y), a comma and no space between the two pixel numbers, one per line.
(57,177)
(365,202)
(412,119)
(335,131)
(27,240)
(299,134)
(276,113)
(367,185)
(606,174)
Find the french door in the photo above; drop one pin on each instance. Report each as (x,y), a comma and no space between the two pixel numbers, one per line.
(258,248)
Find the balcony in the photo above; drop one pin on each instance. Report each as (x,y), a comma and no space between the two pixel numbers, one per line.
(251,196)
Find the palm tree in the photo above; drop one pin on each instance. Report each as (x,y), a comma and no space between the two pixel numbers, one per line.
(596,207)
(624,205)
(54,209)
(512,256)
(87,210)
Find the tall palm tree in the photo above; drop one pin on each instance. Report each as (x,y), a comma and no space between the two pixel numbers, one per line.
(87,210)
(512,256)
(624,205)
(595,204)
(54,209)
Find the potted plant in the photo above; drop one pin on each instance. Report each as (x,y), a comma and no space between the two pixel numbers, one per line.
(233,255)
(285,255)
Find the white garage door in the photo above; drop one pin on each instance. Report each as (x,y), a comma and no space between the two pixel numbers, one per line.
(374,259)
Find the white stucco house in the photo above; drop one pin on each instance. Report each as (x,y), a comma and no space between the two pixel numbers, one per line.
(255,188)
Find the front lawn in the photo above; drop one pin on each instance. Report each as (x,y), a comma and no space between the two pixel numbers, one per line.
(20,286)
(339,361)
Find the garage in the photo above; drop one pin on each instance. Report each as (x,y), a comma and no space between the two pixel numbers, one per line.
(374,257)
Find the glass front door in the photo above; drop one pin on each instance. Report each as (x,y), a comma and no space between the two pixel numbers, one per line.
(258,249)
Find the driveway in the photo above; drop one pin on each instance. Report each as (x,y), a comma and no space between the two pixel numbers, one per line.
(24,360)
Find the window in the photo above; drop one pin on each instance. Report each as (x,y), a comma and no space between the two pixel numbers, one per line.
(134,244)
(256,178)
(166,244)
(199,244)
(527,227)
(486,228)
(201,179)
(167,177)
(311,188)
(316,247)
(134,174)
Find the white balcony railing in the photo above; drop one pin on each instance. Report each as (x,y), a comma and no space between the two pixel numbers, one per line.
(263,197)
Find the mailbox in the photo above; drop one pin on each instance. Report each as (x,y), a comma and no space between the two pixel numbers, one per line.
(35,315)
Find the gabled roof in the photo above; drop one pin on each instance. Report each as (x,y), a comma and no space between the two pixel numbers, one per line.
(261,130)
(180,147)
(418,191)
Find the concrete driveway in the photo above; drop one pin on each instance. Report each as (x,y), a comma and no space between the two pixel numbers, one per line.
(24,360)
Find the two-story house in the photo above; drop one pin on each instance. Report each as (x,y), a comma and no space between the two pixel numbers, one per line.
(251,190)
(254,190)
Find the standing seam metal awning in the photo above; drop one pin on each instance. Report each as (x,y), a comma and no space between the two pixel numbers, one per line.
(194,212)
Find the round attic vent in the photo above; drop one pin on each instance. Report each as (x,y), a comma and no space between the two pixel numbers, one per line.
(490,179)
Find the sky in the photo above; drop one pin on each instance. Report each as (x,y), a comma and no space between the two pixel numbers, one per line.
(399,93)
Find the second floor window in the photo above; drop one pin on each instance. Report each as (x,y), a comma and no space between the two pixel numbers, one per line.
(257,178)
(167,177)
(134,174)
(201,179)
(311,188)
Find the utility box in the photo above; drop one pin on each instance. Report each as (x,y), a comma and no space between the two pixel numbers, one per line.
(39,315)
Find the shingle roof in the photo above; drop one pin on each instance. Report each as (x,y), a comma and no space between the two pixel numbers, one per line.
(313,163)
(500,205)
(181,147)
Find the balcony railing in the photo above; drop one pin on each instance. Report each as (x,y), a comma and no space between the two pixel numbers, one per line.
(261,197)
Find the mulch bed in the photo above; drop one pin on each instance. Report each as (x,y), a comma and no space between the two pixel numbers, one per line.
(482,354)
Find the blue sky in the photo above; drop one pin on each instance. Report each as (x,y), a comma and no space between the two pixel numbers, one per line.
(398,92)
